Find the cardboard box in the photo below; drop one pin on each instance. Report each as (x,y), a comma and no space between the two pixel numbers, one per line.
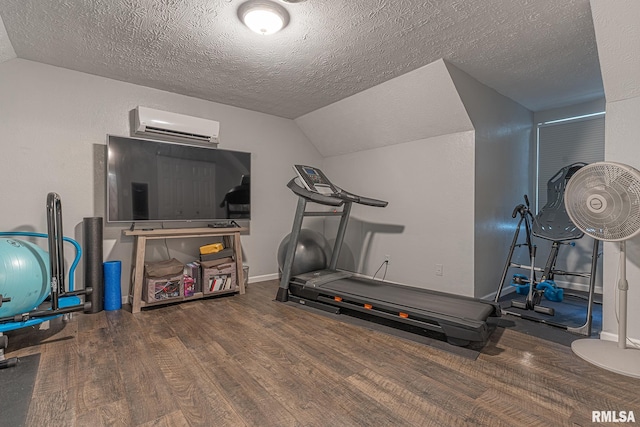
(163,268)
(163,288)
(220,277)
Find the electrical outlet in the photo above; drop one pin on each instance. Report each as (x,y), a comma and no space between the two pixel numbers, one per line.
(439,270)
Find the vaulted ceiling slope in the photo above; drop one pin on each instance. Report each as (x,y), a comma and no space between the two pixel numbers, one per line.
(539,53)
(6,49)
(399,110)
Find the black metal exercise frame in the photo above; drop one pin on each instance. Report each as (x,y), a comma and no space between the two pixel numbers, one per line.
(548,272)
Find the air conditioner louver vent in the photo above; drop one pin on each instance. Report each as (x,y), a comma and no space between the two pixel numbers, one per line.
(174,127)
(161,131)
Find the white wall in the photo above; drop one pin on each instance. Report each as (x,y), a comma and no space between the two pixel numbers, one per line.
(622,134)
(618,38)
(503,136)
(429,219)
(53,126)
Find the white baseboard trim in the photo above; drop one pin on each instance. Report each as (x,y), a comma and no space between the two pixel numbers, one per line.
(577,286)
(507,289)
(263,278)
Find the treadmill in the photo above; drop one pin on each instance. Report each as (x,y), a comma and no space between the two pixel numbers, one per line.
(462,320)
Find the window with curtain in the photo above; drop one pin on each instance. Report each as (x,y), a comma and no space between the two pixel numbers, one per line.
(567,141)
(561,143)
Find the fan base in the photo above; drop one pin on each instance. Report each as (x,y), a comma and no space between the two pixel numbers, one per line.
(607,355)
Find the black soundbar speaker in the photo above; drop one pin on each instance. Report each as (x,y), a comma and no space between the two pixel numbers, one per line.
(93,258)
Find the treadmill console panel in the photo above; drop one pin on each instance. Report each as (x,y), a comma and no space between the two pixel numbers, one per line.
(314,180)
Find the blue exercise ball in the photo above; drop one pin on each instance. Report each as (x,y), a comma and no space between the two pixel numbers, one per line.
(312,252)
(24,276)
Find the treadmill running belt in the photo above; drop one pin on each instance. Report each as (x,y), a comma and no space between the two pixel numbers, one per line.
(414,298)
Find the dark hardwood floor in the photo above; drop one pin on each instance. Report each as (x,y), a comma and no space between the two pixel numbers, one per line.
(247,360)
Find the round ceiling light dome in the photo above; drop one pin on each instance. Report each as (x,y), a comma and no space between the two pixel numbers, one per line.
(263,16)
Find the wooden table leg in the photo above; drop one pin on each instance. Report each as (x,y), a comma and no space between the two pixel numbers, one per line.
(239,270)
(138,273)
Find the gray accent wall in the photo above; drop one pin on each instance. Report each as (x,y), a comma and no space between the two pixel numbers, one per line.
(502,151)
(53,131)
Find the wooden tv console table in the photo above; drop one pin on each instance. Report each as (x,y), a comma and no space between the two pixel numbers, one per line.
(139,249)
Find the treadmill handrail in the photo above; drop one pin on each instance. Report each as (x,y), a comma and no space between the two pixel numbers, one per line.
(313,196)
(361,199)
(335,199)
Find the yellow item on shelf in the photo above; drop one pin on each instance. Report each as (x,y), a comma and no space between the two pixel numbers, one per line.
(211,248)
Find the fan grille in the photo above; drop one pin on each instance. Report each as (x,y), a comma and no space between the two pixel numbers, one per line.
(603,200)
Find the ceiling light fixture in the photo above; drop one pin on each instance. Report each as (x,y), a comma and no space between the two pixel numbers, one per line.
(263,16)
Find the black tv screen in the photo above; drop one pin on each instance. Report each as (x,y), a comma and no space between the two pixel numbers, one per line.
(154,181)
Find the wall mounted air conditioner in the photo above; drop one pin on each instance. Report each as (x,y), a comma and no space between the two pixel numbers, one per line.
(157,124)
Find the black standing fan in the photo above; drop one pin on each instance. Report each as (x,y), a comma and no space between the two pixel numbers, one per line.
(603,200)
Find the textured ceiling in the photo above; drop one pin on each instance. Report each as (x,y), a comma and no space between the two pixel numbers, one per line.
(540,53)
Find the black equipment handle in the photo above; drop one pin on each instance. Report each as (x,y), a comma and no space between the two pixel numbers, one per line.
(56,254)
(335,199)
(313,196)
(345,195)
(522,209)
(518,209)
(373,202)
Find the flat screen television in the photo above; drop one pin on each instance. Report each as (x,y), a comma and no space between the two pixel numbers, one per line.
(155,181)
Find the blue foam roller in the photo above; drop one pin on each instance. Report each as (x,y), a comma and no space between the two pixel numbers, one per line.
(112,292)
